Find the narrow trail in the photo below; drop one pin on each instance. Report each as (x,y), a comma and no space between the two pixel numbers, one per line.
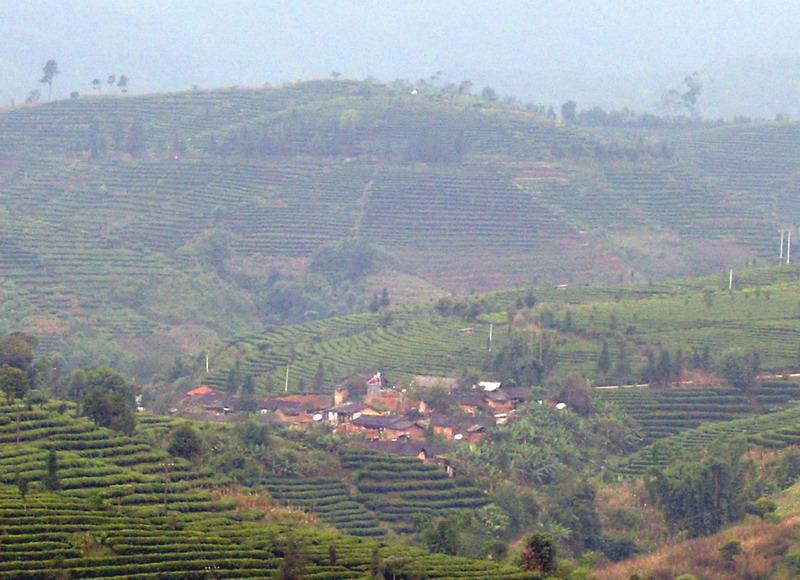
(761,377)
(361,203)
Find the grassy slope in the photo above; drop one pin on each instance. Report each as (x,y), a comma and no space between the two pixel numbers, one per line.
(764,545)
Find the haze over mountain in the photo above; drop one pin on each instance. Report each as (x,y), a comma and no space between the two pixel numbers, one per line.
(609,54)
(357,289)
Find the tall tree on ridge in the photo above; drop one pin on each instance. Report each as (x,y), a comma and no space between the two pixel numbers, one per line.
(49,72)
(122,83)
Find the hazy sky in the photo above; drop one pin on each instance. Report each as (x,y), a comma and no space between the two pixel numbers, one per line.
(593,51)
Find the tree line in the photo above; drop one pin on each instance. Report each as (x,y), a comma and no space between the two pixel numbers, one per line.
(51,70)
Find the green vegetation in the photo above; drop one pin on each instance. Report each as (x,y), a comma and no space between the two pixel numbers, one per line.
(400,489)
(328,499)
(55,536)
(641,323)
(281,232)
(106,398)
(413,343)
(543,445)
(124,507)
(702,496)
(664,412)
(774,430)
(140,228)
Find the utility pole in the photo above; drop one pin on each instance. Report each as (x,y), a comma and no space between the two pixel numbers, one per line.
(286,382)
(167,466)
(206,363)
(541,348)
(788,246)
(491,328)
(730,281)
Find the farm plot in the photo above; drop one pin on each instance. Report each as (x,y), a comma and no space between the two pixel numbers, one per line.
(49,535)
(328,499)
(413,344)
(400,489)
(771,430)
(97,462)
(664,412)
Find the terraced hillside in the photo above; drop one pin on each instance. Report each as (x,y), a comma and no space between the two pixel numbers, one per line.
(328,499)
(48,535)
(131,222)
(664,412)
(401,489)
(415,343)
(390,493)
(685,314)
(98,463)
(772,431)
(127,509)
(755,166)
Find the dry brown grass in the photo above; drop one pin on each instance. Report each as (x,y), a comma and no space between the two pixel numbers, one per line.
(623,508)
(249,501)
(404,288)
(763,547)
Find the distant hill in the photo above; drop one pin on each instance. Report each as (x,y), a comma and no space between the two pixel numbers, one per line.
(153,225)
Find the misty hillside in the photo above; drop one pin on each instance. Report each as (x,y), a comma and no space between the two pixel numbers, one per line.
(597,53)
(163,222)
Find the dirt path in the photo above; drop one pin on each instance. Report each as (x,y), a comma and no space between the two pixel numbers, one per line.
(361,203)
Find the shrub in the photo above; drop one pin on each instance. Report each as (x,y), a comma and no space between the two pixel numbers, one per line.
(792,561)
(540,553)
(618,548)
(185,442)
(730,549)
(761,507)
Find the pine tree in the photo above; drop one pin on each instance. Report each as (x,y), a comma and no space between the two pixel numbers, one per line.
(136,144)
(622,369)
(697,361)
(319,376)
(50,480)
(651,371)
(568,324)
(49,72)
(677,367)
(248,386)
(376,565)
(22,487)
(234,378)
(664,367)
(291,567)
(375,303)
(604,362)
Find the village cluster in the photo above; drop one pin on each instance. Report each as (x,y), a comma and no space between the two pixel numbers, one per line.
(374,408)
